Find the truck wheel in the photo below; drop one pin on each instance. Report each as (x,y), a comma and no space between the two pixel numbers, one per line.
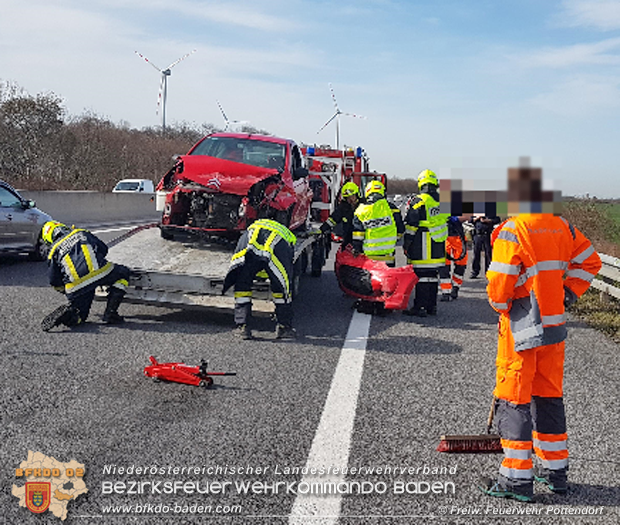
(296,278)
(318,258)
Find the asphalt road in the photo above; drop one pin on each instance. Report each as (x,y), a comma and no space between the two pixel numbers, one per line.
(382,403)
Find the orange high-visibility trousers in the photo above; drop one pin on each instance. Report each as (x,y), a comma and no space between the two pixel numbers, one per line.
(530,414)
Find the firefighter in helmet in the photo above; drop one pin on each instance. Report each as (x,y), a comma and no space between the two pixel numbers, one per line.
(266,248)
(376,225)
(77,265)
(344,213)
(426,231)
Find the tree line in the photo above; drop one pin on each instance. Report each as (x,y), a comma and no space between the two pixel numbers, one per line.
(44,148)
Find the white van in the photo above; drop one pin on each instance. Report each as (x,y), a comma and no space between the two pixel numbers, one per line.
(134,186)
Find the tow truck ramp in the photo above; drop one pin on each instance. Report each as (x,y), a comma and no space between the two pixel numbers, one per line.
(191,274)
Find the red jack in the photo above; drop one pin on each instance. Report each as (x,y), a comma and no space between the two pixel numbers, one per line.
(182,373)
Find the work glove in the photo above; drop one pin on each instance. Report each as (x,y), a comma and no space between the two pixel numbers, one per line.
(60,289)
(315,232)
(570,297)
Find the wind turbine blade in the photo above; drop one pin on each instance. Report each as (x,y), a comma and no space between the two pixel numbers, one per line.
(353,115)
(161,90)
(182,58)
(223,114)
(334,98)
(147,61)
(325,125)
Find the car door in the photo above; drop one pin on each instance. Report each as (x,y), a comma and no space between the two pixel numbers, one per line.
(15,224)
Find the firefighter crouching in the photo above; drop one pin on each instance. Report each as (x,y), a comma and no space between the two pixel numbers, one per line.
(541,264)
(452,273)
(266,246)
(426,231)
(376,225)
(77,265)
(344,213)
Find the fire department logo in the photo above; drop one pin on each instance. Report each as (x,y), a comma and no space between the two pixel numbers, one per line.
(50,485)
(38,496)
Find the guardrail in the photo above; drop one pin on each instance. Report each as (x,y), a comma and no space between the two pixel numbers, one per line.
(610,271)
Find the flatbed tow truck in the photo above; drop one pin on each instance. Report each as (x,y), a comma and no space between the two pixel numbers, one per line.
(191,274)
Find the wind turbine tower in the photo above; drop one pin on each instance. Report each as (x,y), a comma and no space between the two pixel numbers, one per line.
(162,96)
(336,116)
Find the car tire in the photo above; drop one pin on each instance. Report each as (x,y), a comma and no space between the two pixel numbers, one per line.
(166,235)
(40,251)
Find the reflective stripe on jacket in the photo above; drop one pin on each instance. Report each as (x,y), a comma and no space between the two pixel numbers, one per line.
(426,230)
(261,238)
(535,257)
(376,227)
(78,261)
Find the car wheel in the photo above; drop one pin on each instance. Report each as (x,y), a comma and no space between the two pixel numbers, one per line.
(166,235)
(40,251)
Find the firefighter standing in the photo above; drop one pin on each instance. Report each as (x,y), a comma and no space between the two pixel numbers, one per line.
(451,277)
(344,213)
(266,246)
(77,265)
(541,264)
(376,225)
(425,243)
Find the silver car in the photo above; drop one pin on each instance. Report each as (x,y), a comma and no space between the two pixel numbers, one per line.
(20,224)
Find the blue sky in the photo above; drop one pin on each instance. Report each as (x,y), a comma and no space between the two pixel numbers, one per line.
(461,87)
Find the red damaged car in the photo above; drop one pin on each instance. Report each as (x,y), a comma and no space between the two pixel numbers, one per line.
(229,179)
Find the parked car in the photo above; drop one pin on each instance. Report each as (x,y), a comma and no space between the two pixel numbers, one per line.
(134,186)
(21,224)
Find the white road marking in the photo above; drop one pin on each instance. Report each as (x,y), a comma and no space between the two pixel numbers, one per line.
(332,441)
(109,230)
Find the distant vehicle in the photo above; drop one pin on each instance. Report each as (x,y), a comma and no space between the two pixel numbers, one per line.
(21,224)
(227,180)
(134,186)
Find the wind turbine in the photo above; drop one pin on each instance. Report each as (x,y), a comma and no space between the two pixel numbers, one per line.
(337,117)
(162,96)
(229,122)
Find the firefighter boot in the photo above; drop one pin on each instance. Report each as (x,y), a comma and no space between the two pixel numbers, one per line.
(115,298)
(455,293)
(285,332)
(65,314)
(243,332)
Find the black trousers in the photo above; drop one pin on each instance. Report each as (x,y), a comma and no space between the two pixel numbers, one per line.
(426,289)
(280,283)
(481,243)
(83,299)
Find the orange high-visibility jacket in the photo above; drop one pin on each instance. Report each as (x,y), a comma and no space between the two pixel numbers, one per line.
(539,260)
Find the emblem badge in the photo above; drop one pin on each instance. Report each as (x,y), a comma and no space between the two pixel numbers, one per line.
(38,496)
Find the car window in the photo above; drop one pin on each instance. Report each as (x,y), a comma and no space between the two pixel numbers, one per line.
(8,199)
(254,152)
(127,186)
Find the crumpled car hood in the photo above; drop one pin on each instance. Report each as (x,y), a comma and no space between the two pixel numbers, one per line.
(221,175)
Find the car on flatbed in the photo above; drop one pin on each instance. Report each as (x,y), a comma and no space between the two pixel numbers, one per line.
(227,180)
(21,224)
